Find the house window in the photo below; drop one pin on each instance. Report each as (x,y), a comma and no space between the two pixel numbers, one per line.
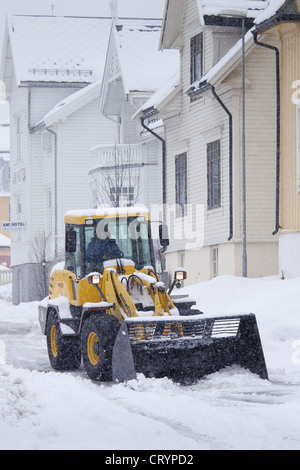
(49,212)
(214,174)
(181,184)
(47,141)
(19,206)
(215,261)
(123,196)
(18,132)
(196,57)
(19,216)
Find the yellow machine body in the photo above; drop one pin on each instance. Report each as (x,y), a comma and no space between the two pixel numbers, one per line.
(108,306)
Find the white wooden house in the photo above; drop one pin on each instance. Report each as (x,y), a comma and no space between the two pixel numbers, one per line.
(202,115)
(130,170)
(52,68)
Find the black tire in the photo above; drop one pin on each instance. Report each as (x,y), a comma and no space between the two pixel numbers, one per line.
(63,351)
(97,340)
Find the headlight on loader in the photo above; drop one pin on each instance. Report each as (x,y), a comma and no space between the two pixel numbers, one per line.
(180,275)
(94,279)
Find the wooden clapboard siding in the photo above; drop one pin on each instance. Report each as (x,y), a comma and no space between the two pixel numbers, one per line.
(83,130)
(44,99)
(260,144)
(20,167)
(202,121)
(290,72)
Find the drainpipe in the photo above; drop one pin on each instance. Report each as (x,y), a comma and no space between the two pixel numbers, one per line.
(55,191)
(203,88)
(278,138)
(32,130)
(230,161)
(164,182)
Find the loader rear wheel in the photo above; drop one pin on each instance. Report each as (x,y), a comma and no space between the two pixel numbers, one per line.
(97,341)
(63,351)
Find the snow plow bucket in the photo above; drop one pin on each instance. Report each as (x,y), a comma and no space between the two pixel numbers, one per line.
(188,348)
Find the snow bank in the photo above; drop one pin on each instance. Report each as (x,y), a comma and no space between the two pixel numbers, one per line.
(232,409)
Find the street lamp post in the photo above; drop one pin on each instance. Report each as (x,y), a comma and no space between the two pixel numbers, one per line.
(245,262)
(242,14)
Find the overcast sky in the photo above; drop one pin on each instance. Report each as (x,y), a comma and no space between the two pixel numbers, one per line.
(131,8)
(127,8)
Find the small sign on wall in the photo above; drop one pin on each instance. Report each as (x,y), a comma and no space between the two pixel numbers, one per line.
(13,226)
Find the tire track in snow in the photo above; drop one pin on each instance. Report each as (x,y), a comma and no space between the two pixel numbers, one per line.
(202,441)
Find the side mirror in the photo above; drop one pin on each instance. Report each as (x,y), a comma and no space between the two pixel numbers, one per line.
(164,235)
(71,241)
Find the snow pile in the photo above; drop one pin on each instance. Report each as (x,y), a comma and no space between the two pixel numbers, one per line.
(232,409)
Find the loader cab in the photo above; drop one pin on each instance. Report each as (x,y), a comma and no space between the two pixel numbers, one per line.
(93,242)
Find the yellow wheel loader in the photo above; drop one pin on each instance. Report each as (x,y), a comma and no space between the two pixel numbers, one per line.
(108,307)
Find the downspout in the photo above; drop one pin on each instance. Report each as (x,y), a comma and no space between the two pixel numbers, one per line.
(164,178)
(55,190)
(203,88)
(230,161)
(32,130)
(278,133)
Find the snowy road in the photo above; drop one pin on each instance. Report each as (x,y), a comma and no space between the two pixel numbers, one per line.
(43,409)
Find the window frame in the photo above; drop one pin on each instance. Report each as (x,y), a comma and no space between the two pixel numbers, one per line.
(215,261)
(47,141)
(181,179)
(214,198)
(197,57)
(49,206)
(18,136)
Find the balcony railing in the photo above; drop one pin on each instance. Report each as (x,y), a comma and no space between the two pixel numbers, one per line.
(109,156)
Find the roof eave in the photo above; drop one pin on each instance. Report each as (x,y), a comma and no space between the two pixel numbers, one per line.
(275,20)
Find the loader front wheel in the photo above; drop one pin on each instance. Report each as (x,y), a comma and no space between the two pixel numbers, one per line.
(97,340)
(63,351)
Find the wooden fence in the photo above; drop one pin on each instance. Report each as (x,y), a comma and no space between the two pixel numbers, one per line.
(5,277)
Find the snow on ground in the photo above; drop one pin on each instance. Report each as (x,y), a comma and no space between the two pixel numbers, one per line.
(232,409)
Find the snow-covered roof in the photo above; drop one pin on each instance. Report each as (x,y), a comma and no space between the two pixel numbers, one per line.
(70,104)
(274,6)
(58,49)
(163,94)
(4,241)
(249,8)
(107,211)
(207,9)
(143,65)
(270,8)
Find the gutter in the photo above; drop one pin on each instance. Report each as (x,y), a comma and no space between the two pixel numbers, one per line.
(55,191)
(278,129)
(204,87)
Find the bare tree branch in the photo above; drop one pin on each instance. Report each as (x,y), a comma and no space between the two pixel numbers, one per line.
(119,183)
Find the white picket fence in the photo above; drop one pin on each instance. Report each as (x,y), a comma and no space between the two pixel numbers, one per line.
(5,277)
